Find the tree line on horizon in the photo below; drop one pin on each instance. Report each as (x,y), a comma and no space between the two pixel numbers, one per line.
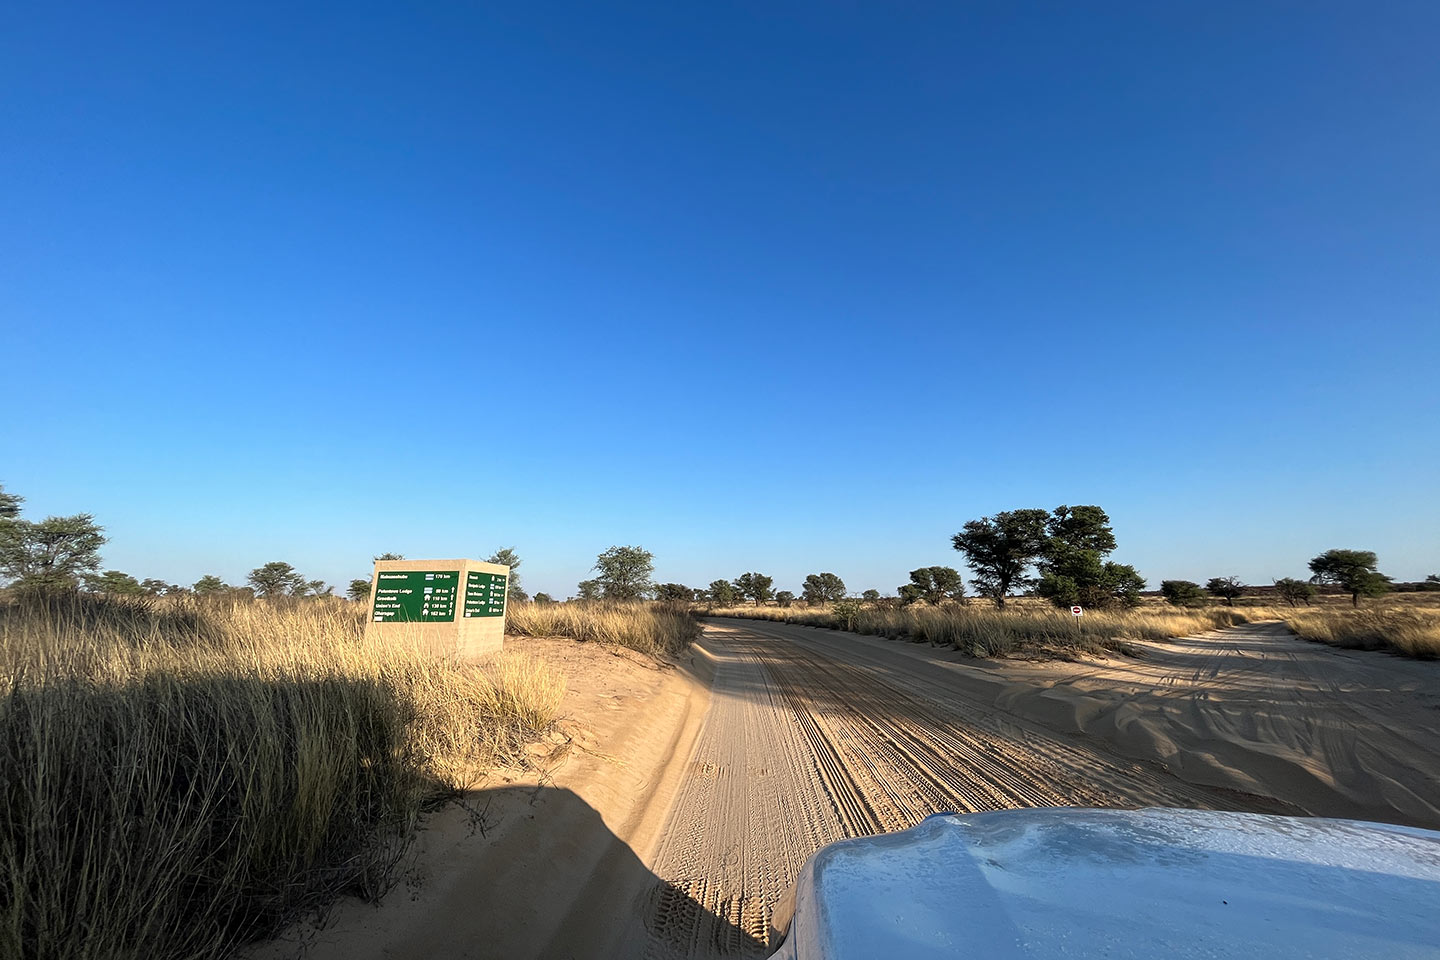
(1061,555)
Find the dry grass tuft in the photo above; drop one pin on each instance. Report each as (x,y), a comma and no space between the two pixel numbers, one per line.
(1412,632)
(982,631)
(180,778)
(652,628)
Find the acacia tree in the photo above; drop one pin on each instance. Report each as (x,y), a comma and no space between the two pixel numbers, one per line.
(359,590)
(755,586)
(48,556)
(1072,565)
(823,588)
(785,598)
(722,593)
(587,590)
(114,583)
(1182,593)
(1000,549)
(674,593)
(544,598)
(212,584)
(511,559)
(870,596)
(1295,592)
(275,579)
(933,585)
(1226,588)
(625,572)
(1353,571)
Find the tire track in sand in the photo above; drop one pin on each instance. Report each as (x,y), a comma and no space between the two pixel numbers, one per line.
(801,748)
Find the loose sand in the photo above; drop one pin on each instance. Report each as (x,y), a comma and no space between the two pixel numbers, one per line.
(654,834)
(541,863)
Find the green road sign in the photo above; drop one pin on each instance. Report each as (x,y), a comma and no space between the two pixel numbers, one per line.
(485,594)
(415,596)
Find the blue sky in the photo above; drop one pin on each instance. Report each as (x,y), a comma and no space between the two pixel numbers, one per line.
(784,287)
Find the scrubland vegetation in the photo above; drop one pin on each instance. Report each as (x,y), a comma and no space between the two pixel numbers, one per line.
(1406,627)
(1017,630)
(650,628)
(182,776)
(1411,630)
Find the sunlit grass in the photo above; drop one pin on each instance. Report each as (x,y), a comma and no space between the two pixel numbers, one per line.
(983,631)
(179,778)
(652,628)
(1411,631)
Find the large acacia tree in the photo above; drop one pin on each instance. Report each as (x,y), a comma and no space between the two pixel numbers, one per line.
(755,587)
(624,573)
(1000,549)
(1072,564)
(46,556)
(933,585)
(822,588)
(1353,571)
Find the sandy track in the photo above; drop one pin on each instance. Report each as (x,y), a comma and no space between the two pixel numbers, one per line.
(813,738)
(1337,733)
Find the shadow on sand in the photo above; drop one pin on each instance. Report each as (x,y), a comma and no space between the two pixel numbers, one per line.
(528,871)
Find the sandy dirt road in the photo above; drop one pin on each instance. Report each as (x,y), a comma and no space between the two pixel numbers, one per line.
(1336,733)
(682,799)
(814,736)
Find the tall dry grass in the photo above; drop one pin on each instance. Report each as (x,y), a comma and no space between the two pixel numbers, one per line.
(179,779)
(983,631)
(1410,631)
(653,628)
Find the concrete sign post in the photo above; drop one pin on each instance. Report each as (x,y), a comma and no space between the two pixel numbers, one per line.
(446,607)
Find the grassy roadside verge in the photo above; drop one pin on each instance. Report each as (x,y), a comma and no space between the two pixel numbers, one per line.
(985,632)
(179,779)
(1411,632)
(1405,629)
(651,628)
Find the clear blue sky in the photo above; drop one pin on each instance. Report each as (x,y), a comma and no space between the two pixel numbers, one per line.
(761,286)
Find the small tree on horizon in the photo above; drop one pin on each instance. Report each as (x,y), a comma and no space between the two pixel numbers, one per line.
(932,585)
(275,579)
(544,598)
(822,588)
(359,590)
(624,573)
(511,559)
(1353,571)
(1295,592)
(1226,588)
(114,583)
(785,598)
(722,593)
(674,593)
(210,583)
(1182,593)
(588,590)
(755,587)
(871,595)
